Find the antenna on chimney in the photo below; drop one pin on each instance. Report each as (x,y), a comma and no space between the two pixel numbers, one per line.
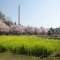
(19,15)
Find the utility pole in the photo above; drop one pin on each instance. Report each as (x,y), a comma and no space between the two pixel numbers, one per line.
(19,15)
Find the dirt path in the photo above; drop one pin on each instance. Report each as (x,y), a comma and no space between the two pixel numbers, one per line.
(9,56)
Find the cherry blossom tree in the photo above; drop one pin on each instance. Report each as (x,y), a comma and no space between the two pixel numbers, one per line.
(44,30)
(4,29)
(29,30)
(16,29)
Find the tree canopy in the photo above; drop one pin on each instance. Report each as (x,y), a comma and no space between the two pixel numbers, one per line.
(5,20)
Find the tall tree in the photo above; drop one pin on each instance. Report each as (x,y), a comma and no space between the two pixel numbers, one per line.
(5,20)
(52,30)
(2,16)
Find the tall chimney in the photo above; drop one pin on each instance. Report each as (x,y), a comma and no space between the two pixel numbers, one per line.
(19,15)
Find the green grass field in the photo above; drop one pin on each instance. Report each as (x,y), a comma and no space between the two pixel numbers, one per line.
(29,45)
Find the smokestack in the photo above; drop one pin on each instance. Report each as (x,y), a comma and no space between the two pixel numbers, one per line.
(19,15)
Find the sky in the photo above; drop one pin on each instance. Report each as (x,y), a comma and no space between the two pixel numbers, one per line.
(36,13)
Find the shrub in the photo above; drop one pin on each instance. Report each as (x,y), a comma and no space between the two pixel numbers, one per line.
(2,49)
(41,51)
(37,51)
(22,50)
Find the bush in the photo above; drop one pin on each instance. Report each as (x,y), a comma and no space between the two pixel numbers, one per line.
(37,51)
(2,49)
(41,51)
(22,50)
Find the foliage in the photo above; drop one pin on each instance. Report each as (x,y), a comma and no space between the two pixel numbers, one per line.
(8,22)
(16,29)
(22,50)
(30,45)
(2,16)
(4,29)
(2,49)
(49,32)
(5,20)
(29,30)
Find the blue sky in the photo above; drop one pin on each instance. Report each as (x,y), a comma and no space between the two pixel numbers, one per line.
(37,13)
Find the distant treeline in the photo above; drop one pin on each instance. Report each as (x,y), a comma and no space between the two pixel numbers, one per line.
(9,27)
(18,30)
